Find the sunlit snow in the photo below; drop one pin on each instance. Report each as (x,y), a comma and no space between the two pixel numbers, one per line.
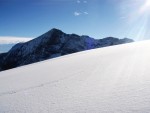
(113,79)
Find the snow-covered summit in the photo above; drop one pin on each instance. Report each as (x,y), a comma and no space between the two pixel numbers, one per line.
(113,79)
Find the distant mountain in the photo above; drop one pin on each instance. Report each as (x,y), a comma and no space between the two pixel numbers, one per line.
(52,44)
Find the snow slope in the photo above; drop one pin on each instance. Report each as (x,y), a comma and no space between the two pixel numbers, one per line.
(113,79)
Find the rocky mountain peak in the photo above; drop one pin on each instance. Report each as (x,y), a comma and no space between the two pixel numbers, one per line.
(52,44)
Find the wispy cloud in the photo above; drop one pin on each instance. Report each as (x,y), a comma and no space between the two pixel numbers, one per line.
(80,11)
(86,13)
(81,1)
(13,40)
(77,13)
(85,1)
(78,1)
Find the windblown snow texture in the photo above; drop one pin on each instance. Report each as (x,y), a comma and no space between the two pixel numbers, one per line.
(113,79)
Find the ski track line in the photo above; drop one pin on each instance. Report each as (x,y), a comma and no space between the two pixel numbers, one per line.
(40,85)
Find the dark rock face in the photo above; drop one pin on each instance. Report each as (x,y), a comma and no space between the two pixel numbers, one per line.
(52,44)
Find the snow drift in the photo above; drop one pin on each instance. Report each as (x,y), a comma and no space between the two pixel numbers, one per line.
(113,79)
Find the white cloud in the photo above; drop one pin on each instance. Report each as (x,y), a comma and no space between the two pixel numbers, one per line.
(13,40)
(80,13)
(77,13)
(78,1)
(86,13)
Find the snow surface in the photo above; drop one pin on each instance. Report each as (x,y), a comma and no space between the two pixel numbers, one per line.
(113,79)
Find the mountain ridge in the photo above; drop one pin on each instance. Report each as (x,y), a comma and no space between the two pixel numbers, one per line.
(52,44)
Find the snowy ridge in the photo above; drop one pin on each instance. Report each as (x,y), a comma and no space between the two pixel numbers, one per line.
(107,80)
(53,43)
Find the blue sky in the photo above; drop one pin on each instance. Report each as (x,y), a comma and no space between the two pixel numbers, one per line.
(96,18)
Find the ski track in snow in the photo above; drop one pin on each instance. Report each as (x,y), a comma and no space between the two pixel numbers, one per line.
(40,85)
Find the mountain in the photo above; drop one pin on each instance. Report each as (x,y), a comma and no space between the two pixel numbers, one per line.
(113,79)
(52,44)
